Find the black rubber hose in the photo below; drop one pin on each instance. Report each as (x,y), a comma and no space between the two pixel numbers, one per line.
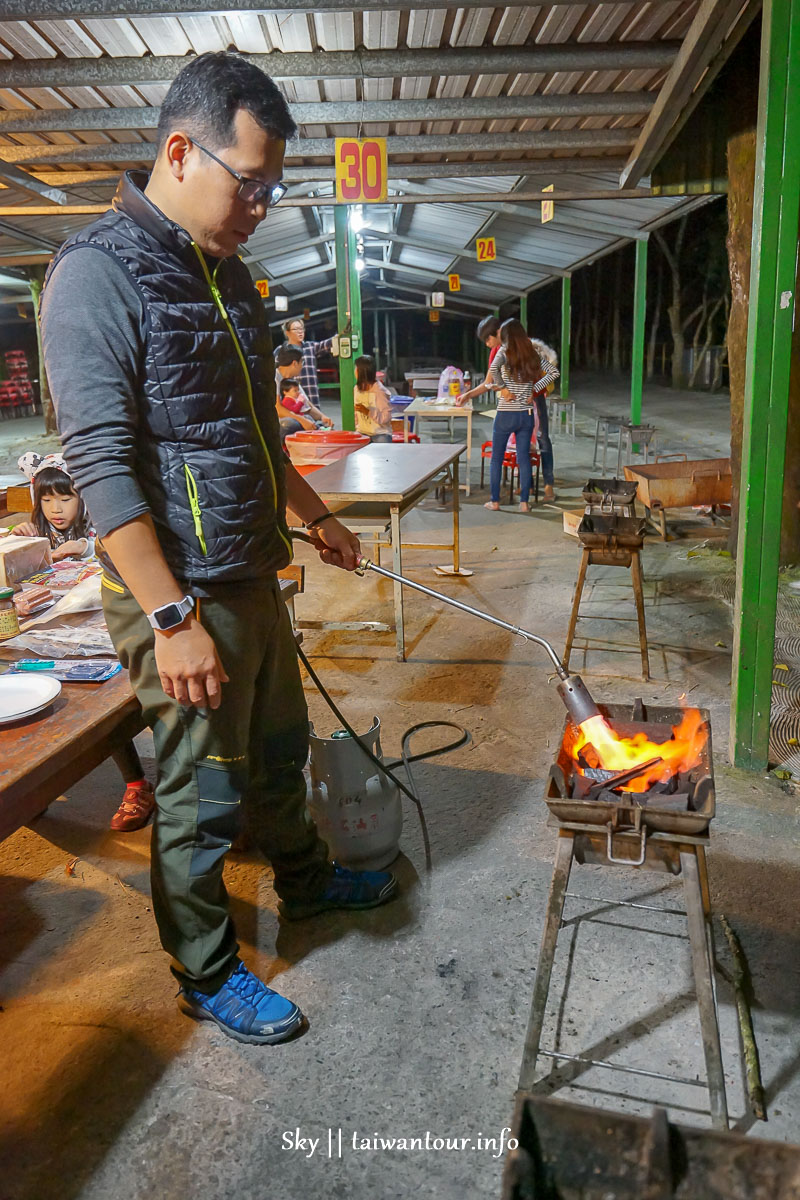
(406,759)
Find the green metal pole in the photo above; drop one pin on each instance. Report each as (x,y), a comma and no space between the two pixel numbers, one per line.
(345,316)
(639,313)
(566,330)
(355,295)
(523,311)
(766,395)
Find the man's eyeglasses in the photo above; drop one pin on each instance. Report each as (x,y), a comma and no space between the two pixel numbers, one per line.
(251,191)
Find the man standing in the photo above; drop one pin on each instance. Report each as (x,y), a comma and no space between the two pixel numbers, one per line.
(159,359)
(295,331)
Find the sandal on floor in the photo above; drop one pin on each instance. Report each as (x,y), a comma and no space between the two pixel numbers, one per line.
(136,808)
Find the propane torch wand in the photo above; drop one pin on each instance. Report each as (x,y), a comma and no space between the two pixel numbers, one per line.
(571,688)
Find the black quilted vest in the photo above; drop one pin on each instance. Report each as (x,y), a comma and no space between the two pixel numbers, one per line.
(208,457)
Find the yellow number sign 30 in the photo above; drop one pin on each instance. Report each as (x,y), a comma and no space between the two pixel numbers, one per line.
(361,170)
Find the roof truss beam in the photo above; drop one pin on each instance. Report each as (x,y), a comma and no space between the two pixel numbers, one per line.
(454,143)
(404,171)
(54,10)
(463,252)
(431,277)
(24,181)
(347,64)
(468,108)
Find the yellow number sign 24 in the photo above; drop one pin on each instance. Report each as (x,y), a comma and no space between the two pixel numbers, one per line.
(486,249)
(361,170)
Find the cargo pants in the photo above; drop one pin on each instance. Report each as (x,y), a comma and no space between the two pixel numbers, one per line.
(244,759)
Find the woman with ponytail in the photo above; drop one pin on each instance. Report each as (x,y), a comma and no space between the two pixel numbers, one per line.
(521,376)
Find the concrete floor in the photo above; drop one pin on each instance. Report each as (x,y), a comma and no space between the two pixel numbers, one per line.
(417,1011)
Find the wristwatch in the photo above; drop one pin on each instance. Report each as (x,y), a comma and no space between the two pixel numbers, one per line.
(169,616)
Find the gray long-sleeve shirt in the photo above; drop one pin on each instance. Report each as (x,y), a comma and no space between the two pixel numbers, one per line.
(93,341)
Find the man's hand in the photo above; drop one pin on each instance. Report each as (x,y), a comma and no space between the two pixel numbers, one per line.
(505,394)
(337,546)
(68,549)
(327,422)
(188,665)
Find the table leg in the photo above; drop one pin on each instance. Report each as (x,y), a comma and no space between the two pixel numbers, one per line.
(406,424)
(456,507)
(469,448)
(397,567)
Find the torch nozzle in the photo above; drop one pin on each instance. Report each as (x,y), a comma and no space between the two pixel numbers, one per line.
(575,694)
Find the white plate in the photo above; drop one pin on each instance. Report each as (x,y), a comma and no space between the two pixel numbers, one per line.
(23,695)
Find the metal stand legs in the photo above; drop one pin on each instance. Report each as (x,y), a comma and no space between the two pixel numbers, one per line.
(691,863)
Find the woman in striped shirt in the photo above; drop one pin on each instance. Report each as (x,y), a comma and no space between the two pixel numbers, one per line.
(521,376)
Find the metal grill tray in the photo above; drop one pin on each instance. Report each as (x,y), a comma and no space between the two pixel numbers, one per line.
(599,812)
(607,531)
(605,493)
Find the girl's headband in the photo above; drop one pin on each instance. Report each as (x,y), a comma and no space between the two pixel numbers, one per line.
(32,463)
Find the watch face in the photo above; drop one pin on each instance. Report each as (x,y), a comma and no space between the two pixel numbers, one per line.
(168,616)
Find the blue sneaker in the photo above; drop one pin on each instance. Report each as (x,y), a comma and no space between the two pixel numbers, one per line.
(244,1008)
(347,889)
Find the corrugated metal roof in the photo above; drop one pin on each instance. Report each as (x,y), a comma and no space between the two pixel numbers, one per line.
(293,242)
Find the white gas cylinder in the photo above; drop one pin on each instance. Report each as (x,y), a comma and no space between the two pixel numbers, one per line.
(356,807)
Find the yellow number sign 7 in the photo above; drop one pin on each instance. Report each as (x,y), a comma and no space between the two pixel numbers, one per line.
(486,248)
(361,170)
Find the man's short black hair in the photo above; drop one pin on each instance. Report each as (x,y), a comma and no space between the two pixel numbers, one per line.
(287,354)
(287,385)
(206,95)
(489,327)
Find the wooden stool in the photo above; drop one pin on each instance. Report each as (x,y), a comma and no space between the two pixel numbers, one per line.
(611,558)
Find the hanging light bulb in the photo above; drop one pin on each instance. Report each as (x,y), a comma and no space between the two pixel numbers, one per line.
(357,218)
(359,264)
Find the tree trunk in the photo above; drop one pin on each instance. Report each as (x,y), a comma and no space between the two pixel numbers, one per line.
(48,411)
(722,359)
(700,352)
(676,324)
(616,353)
(596,317)
(655,321)
(741,182)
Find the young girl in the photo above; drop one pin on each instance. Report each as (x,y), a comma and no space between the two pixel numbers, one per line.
(521,375)
(373,411)
(59,513)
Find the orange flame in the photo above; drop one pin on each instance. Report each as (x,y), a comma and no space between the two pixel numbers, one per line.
(613,753)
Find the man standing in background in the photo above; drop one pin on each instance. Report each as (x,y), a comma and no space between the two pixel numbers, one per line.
(295,331)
